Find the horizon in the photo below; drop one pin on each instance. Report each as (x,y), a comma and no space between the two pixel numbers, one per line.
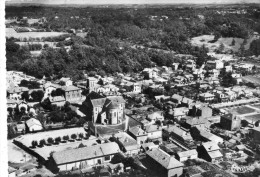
(128,2)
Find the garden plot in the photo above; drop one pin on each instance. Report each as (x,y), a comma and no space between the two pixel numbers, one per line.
(28,138)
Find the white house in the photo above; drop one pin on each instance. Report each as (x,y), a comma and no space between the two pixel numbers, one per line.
(33,125)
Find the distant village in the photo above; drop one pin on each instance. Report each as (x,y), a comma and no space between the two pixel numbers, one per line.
(182,120)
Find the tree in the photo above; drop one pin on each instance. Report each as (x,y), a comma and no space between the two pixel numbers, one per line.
(257,123)
(25,96)
(34,144)
(42,142)
(37,96)
(221,47)
(233,42)
(57,139)
(73,136)
(50,140)
(244,123)
(65,138)
(81,135)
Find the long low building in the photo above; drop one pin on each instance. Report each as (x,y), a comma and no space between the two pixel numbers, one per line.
(84,157)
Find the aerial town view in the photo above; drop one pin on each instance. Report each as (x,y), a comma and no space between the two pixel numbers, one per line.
(133,88)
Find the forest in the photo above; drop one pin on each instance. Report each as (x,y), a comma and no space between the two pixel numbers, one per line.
(121,39)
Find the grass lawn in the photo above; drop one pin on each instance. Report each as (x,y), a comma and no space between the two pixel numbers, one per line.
(243,110)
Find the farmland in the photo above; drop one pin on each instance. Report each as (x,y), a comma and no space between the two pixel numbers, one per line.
(10,32)
(205,39)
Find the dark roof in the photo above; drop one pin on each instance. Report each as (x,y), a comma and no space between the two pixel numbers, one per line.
(167,161)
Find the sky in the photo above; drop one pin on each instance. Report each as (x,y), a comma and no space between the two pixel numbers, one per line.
(134,1)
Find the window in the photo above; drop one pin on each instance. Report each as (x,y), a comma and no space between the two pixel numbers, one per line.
(107,158)
(114,114)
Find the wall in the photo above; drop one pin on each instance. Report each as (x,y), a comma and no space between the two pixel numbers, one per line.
(175,171)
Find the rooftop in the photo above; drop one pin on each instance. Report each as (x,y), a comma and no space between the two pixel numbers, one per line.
(75,155)
(167,161)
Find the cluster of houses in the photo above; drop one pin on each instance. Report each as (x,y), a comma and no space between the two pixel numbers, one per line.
(169,135)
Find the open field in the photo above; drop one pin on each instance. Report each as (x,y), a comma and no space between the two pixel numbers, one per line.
(10,32)
(28,138)
(256,106)
(16,154)
(205,39)
(51,44)
(243,110)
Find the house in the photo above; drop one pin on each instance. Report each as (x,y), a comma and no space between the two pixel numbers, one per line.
(138,134)
(215,64)
(147,146)
(230,122)
(104,110)
(66,81)
(151,72)
(15,93)
(206,97)
(207,136)
(20,126)
(201,110)
(92,84)
(21,104)
(180,112)
(81,158)
(153,131)
(72,93)
(33,125)
(195,122)
(49,87)
(222,97)
(231,95)
(175,66)
(58,100)
(209,151)
(177,133)
(126,143)
(185,155)
(167,165)
(158,115)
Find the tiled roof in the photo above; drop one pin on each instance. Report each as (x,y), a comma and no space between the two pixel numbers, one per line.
(75,155)
(167,161)
(187,153)
(153,128)
(116,99)
(215,154)
(137,131)
(98,102)
(32,122)
(70,88)
(210,146)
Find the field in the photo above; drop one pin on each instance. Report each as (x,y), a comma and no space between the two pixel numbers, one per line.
(28,138)
(204,39)
(10,32)
(51,44)
(243,110)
